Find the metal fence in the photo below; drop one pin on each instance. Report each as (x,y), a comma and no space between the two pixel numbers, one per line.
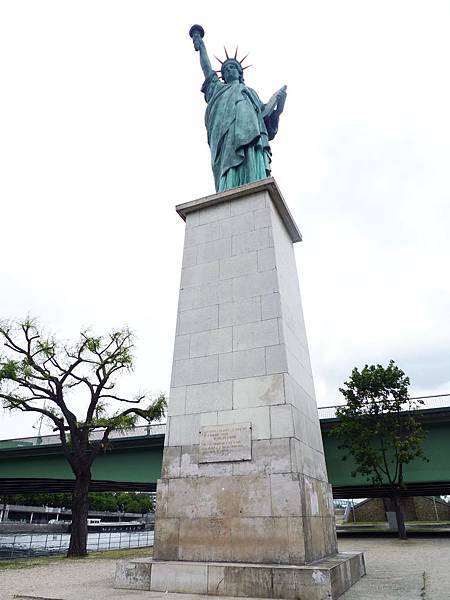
(325,412)
(30,545)
(429,402)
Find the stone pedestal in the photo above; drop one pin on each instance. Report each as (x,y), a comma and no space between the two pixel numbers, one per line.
(243,496)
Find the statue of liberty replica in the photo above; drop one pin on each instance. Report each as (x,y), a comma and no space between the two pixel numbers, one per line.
(239,125)
(244,505)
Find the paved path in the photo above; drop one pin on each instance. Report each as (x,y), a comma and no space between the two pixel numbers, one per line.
(418,569)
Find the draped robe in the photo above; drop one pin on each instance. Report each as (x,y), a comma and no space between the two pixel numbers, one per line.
(238,134)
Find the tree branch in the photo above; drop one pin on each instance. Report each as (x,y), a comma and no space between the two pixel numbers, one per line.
(135,401)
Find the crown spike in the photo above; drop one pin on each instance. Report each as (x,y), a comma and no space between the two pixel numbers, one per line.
(221,61)
(242,59)
(235,54)
(226,53)
(243,68)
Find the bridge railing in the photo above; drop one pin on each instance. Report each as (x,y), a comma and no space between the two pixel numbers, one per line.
(429,403)
(325,412)
(49,440)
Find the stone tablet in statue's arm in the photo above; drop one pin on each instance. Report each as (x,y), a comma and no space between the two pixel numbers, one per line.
(272,110)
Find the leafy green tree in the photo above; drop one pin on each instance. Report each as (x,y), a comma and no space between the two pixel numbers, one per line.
(55,500)
(378,429)
(138,502)
(41,375)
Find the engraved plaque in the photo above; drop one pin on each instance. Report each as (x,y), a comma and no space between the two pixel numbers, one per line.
(223,443)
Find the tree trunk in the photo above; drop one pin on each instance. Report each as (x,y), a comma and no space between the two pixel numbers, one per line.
(399,514)
(80,507)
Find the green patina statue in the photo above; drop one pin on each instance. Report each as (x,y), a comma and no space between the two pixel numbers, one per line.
(239,125)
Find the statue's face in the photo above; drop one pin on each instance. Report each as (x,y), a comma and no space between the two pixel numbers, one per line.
(230,72)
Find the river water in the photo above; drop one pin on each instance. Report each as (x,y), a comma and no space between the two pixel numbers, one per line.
(23,545)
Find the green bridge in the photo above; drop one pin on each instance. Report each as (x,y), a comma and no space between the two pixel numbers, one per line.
(133,462)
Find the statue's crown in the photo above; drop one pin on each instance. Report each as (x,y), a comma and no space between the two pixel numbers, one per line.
(232,59)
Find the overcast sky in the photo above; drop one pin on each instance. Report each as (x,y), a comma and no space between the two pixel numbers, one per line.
(102,134)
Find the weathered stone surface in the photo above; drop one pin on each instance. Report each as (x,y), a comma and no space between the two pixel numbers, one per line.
(249,203)
(313,528)
(167,530)
(209,397)
(212,251)
(133,575)
(296,541)
(181,348)
(255,284)
(246,363)
(258,391)
(266,259)
(185,578)
(326,579)
(259,417)
(259,239)
(200,274)
(214,213)
(252,581)
(190,466)
(215,341)
(193,371)
(216,576)
(276,360)
(198,319)
(268,456)
(285,495)
(271,306)
(263,218)
(237,224)
(162,490)
(171,462)
(202,234)
(219,497)
(255,335)
(237,313)
(262,540)
(205,540)
(177,401)
(281,423)
(201,296)
(235,266)
(184,430)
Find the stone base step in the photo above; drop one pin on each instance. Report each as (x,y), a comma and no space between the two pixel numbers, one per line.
(326,579)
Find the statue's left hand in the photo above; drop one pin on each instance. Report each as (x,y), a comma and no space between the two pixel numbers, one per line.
(281,99)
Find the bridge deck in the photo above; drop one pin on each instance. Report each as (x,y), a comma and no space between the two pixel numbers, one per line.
(133,461)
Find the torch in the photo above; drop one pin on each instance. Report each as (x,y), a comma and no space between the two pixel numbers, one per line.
(196,32)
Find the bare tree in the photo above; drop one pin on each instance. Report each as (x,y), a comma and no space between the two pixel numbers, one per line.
(41,375)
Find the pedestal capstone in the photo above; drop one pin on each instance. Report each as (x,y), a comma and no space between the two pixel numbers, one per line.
(244,507)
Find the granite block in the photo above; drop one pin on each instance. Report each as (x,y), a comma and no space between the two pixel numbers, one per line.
(214,341)
(209,397)
(237,313)
(258,391)
(255,335)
